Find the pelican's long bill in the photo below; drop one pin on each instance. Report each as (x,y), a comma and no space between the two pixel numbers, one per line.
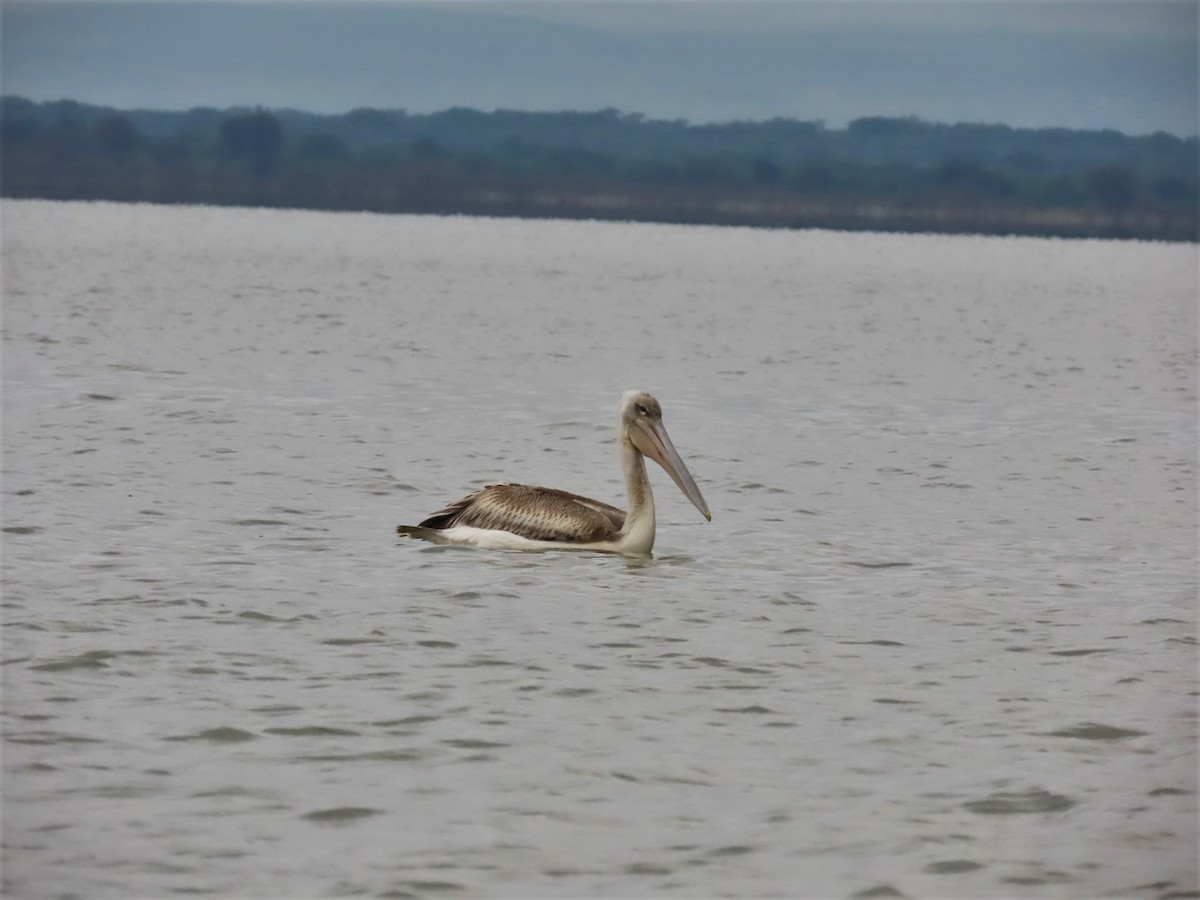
(650,437)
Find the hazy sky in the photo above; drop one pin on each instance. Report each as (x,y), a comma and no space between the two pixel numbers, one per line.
(749,16)
(1075,63)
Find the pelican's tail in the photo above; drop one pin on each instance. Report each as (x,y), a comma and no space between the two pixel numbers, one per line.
(422,533)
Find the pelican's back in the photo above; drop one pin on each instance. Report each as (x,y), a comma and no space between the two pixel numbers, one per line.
(537,513)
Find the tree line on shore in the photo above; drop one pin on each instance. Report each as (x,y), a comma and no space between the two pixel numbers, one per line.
(877,173)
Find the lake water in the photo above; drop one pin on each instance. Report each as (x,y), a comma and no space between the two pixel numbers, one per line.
(939,639)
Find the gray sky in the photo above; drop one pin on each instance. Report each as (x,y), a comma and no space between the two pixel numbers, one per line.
(1109,17)
(1074,63)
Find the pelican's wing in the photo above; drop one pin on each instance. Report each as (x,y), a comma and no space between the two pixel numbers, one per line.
(537,513)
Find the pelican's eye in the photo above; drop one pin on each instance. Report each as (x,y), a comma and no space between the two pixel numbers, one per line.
(642,411)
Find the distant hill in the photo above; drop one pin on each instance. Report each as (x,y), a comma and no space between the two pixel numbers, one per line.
(781,171)
(900,141)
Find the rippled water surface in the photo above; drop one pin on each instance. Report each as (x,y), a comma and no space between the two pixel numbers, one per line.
(938,641)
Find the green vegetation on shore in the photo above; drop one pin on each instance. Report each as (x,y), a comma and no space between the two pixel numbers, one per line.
(877,173)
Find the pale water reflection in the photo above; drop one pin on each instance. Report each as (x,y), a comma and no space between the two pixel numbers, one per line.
(939,639)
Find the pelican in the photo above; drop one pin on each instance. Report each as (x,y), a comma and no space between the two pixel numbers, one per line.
(521,517)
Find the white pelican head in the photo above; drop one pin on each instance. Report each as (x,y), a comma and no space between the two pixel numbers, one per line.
(642,426)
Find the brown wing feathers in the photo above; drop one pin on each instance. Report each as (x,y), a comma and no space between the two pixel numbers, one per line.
(538,513)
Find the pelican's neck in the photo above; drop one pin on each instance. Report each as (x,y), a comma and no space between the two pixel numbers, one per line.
(638,531)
